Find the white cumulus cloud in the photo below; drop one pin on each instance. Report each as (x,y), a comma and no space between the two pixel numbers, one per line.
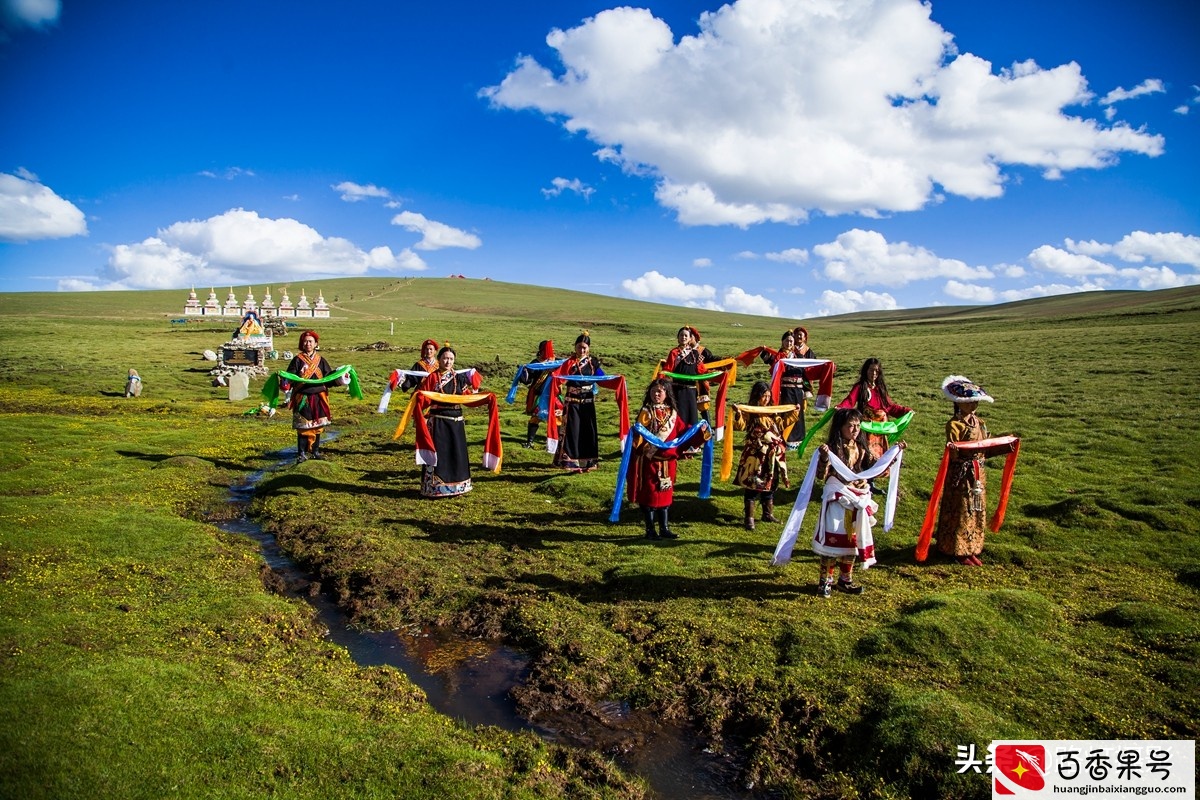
(738,301)
(653,285)
(560,185)
(793,255)
(354,192)
(849,301)
(775,109)
(1148,86)
(228,173)
(1158,277)
(1139,247)
(859,258)
(30,210)
(435,235)
(970,292)
(238,247)
(1063,262)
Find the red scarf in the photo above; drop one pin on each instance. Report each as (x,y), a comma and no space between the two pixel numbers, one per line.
(614,382)
(822,370)
(988,447)
(493,451)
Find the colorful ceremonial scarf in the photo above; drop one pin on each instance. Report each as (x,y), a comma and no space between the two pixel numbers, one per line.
(748,357)
(493,450)
(753,411)
(270,390)
(987,447)
(821,369)
(791,529)
(397,377)
(533,366)
(891,428)
(614,382)
(627,454)
(723,373)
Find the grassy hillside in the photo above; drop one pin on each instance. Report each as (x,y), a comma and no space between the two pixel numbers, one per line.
(1079,625)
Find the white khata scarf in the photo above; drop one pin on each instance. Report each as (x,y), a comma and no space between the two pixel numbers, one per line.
(791,529)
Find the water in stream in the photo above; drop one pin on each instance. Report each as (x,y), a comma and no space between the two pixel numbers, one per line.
(470,680)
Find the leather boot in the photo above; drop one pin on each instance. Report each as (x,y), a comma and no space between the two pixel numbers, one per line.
(648,518)
(769,509)
(664,531)
(301,448)
(316,448)
(530,429)
(749,503)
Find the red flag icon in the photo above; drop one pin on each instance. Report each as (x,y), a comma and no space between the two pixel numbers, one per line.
(1019,766)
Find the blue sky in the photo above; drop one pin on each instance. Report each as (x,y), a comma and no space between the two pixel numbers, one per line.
(790,158)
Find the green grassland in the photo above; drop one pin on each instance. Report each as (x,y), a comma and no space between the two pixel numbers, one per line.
(142,655)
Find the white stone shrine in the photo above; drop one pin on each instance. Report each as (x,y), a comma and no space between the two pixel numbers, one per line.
(237,308)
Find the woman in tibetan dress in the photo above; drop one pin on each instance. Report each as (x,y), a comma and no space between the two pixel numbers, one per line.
(428,363)
(847,510)
(579,438)
(309,401)
(870,397)
(536,381)
(452,474)
(687,359)
(962,517)
(652,471)
(794,386)
(763,464)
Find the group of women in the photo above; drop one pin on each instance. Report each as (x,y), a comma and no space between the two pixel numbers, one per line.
(675,403)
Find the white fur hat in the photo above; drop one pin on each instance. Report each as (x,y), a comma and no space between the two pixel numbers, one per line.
(960,389)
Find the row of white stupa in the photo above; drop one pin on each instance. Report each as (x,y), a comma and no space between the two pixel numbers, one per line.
(233,308)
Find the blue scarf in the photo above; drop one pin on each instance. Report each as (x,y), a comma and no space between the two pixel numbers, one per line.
(706,463)
(543,404)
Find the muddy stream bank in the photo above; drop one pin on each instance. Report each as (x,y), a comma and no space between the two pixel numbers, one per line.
(472,681)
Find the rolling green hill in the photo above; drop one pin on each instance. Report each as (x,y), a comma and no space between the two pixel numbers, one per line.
(116,592)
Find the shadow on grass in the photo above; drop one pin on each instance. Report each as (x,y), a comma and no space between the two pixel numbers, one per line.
(220,463)
(280,483)
(649,586)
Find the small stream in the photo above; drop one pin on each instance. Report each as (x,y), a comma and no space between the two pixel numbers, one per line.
(471,679)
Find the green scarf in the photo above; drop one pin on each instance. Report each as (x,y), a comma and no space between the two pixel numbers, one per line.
(270,390)
(891,429)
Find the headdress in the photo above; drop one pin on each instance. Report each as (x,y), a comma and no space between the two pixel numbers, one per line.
(800,329)
(446,348)
(960,389)
(546,351)
(584,337)
(313,334)
(428,341)
(695,333)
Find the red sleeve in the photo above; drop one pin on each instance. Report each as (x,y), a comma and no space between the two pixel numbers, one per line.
(851,399)
(669,366)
